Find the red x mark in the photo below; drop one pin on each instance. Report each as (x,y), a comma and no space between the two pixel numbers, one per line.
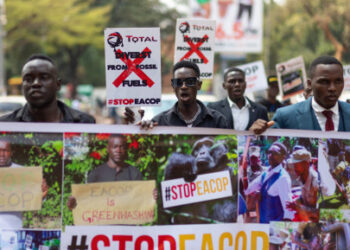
(132,67)
(195,49)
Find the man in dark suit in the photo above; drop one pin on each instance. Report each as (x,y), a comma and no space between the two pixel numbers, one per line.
(239,111)
(323,111)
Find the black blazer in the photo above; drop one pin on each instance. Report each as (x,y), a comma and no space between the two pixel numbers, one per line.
(256,111)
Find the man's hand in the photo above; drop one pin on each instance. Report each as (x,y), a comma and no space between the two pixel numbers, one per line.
(155,194)
(44,188)
(147,124)
(71,203)
(291,206)
(260,126)
(129,115)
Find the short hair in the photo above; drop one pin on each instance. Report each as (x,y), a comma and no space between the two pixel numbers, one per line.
(281,146)
(121,136)
(229,70)
(322,60)
(187,64)
(41,57)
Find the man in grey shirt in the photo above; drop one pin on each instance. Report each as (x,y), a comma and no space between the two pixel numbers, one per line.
(115,169)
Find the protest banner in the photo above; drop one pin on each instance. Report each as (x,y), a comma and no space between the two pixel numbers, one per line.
(106,203)
(20,189)
(239,24)
(133,68)
(205,187)
(291,77)
(194,42)
(224,236)
(255,76)
(316,183)
(346,77)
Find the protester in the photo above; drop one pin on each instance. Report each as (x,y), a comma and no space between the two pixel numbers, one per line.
(40,84)
(273,187)
(323,111)
(187,111)
(271,103)
(239,111)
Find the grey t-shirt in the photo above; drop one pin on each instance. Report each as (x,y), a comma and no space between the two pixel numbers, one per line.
(103,173)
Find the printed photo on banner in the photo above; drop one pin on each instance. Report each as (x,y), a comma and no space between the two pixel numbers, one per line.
(346,77)
(195,42)
(213,236)
(105,179)
(29,239)
(303,235)
(198,180)
(133,66)
(255,76)
(334,158)
(292,77)
(279,179)
(239,24)
(31,180)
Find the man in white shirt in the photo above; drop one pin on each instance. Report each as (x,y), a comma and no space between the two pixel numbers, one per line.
(239,111)
(323,111)
(274,187)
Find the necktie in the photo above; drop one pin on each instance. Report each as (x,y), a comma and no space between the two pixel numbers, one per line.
(329,122)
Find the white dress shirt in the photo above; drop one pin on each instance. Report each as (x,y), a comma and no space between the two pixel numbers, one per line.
(240,116)
(282,187)
(321,118)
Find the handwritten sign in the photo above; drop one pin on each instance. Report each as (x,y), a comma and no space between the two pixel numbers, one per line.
(121,202)
(20,189)
(206,187)
(195,42)
(133,75)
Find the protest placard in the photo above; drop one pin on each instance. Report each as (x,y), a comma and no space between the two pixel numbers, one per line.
(255,76)
(223,236)
(133,68)
(106,203)
(20,189)
(239,24)
(291,77)
(206,187)
(195,42)
(346,77)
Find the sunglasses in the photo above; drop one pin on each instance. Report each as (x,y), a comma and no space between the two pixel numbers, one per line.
(189,82)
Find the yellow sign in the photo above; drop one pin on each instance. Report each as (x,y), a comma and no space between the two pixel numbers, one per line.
(20,189)
(121,202)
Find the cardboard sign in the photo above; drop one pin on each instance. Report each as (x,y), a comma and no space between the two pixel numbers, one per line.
(121,202)
(133,67)
(206,187)
(20,189)
(239,24)
(255,76)
(214,236)
(346,69)
(291,77)
(195,42)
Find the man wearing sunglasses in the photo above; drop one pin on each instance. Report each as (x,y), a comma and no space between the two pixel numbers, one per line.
(187,111)
(239,111)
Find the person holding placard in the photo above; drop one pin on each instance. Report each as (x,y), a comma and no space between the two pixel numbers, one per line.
(187,111)
(40,84)
(239,111)
(323,111)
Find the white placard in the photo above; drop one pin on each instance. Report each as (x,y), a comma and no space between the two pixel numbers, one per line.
(209,236)
(133,66)
(291,77)
(195,42)
(206,187)
(255,76)
(346,77)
